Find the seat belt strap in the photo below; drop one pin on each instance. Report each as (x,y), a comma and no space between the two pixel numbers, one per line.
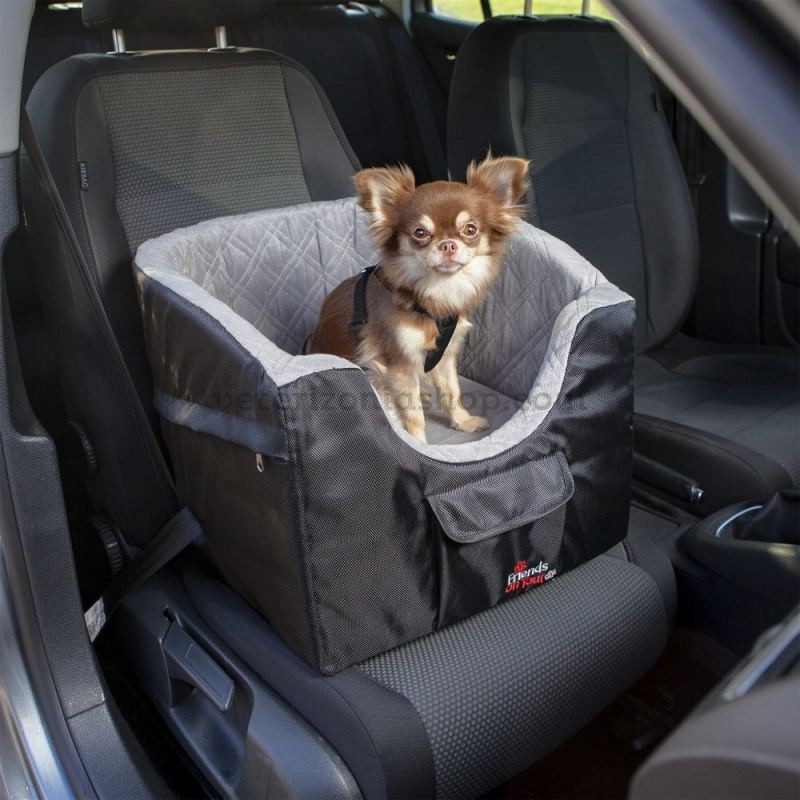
(360,314)
(172,539)
(445,328)
(183,528)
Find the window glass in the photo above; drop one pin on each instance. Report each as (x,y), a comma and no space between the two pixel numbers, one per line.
(461,9)
(471,9)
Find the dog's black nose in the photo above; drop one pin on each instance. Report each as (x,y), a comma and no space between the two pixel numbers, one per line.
(448,247)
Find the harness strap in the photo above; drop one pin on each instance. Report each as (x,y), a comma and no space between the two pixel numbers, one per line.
(445,328)
(360,316)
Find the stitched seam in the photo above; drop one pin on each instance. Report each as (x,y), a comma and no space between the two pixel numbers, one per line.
(628,551)
(648,321)
(318,636)
(144,440)
(653,581)
(364,728)
(333,120)
(590,211)
(294,127)
(214,323)
(74,178)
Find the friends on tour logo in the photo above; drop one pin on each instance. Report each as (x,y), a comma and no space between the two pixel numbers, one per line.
(522,576)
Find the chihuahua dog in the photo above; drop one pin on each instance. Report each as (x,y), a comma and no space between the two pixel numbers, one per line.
(440,249)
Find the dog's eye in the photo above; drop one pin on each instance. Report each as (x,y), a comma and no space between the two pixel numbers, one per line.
(420,233)
(470,229)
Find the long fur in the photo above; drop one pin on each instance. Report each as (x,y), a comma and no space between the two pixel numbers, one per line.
(441,247)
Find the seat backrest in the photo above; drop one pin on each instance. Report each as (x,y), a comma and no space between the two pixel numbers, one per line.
(352,50)
(140,144)
(57,32)
(572,96)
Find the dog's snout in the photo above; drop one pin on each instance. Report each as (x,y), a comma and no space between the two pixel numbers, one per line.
(448,247)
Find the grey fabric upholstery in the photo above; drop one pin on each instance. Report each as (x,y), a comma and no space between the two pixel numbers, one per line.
(348,49)
(178,162)
(345,48)
(153,141)
(56,33)
(739,408)
(481,700)
(573,97)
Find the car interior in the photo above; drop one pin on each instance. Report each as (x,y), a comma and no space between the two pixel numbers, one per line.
(146,117)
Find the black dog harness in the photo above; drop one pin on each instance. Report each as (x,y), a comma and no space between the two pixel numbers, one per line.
(445,327)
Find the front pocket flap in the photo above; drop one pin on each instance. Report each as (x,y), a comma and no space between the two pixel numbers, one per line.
(504,501)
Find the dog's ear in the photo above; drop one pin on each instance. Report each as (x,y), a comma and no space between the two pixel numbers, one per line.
(505,177)
(381,188)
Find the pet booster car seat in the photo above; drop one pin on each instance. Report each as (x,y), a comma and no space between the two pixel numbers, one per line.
(349,535)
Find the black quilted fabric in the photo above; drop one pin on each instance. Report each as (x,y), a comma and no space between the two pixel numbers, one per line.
(160,124)
(557,657)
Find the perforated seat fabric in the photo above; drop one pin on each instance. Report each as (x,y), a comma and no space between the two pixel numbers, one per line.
(573,97)
(140,144)
(56,33)
(460,711)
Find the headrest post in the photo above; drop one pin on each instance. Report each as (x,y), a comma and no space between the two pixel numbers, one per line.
(221,35)
(118,37)
(528,8)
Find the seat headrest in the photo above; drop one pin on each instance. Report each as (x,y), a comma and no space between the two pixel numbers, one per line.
(156,15)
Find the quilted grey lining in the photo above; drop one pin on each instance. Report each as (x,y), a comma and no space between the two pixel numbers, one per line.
(478,399)
(264,276)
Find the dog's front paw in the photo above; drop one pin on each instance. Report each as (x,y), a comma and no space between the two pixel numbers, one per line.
(419,434)
(470,424)
(417,429)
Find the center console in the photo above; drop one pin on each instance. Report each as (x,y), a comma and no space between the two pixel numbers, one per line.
(756,545)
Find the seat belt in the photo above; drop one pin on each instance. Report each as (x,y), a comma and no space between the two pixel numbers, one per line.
(182,528)
(413,91)
(172,539)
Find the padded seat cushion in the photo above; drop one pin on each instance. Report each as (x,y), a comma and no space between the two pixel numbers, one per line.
(729,418)
(460,711)
(478,399)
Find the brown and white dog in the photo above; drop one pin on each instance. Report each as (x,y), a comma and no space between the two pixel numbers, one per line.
(440,249)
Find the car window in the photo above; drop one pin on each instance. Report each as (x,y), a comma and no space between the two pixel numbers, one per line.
(472,10)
